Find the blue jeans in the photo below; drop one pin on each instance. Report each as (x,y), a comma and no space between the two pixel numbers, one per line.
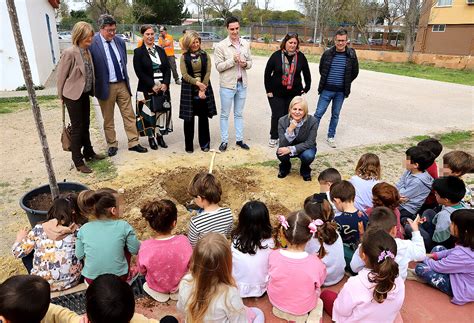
(306,158)
(237,96)
(437,280)
(323,103)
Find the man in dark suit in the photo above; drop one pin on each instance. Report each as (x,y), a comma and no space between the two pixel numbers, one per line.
(112,84)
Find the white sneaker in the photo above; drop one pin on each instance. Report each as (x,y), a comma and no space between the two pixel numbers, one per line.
(331,142)
(272,143)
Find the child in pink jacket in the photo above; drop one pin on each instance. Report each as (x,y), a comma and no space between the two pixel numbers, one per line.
(377,293)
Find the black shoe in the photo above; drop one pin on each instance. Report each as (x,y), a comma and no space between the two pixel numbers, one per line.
(242,145)
(282,174)
(307,178)
(205,149)
(189,151)
(138,148)
(153,144)
(95,157)
(223,146)
(161,141)
(112,151)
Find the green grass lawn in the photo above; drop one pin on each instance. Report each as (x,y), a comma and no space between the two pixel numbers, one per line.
(9,105)
(405,69)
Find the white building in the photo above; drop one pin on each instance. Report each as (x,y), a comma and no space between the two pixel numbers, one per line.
(38,29)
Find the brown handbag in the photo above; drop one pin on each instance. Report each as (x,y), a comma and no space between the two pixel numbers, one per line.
(66,134)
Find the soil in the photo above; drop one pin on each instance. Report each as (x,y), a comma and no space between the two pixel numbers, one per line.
(244,175)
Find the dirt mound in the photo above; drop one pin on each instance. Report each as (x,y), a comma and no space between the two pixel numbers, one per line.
(239,185)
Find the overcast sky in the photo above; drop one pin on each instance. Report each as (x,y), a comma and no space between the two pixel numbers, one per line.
(274,5)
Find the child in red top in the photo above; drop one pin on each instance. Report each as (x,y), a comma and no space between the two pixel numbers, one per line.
(163,259)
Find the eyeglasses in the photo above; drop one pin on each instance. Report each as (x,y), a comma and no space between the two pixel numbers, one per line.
(110,30)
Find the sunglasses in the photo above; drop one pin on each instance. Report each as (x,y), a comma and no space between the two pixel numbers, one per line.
(292,35)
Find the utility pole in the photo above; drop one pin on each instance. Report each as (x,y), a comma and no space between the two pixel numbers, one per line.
(316,22)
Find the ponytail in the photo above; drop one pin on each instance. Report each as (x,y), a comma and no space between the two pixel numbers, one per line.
(327,233)
(380,249)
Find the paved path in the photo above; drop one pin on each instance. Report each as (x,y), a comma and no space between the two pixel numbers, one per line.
(381,108)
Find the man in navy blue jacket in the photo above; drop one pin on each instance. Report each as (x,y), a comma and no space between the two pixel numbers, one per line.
(112,85)
(338,68)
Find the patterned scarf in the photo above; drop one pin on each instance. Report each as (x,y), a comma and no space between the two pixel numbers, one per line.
(289,70)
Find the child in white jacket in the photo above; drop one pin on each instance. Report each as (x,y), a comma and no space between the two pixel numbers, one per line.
(382,218)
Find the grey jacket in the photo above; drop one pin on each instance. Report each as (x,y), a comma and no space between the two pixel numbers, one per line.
(306,137)
(416,187)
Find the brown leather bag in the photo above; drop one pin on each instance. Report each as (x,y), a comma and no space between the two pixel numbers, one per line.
(66,139)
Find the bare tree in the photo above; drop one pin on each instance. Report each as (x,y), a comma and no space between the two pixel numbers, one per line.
(327,14)
(105,6)
(393,11)
(224,7)
(201,6)
(25,67)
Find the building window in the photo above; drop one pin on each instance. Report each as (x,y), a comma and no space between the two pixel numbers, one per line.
(444,3)
(439,28)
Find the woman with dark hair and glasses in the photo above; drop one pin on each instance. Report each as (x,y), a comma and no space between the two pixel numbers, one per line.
(283,80)
(154,73)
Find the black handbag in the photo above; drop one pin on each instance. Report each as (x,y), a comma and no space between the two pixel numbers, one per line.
(160,102)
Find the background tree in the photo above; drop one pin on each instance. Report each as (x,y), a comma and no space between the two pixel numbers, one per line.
(166,12)
(116,8)
(223,7)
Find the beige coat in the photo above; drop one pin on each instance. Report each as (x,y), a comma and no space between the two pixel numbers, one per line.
(227,67)
(71,74)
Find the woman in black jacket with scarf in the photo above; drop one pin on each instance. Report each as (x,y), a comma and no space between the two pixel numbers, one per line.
(154,72)
(283,80)
(197,97)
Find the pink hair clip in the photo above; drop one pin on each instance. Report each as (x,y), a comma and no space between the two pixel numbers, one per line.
(384,255)
(283,222)
(313,226)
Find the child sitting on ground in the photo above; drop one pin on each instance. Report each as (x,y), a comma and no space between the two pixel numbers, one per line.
(367,174)
(163,259)
(296,277)
(326,178)
(104,241)
(53,243)
(326,242)
(436,148)
(209,293)
(452,271)
(108,299)
(377,293)
(251,245)
(382,218)
(206,191)
(457,163)
(449,193)
(387,195)
(24,298)
(415,183)
(352,222)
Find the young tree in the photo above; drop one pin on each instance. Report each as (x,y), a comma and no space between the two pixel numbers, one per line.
(167,12)
(223,7)
(25,67)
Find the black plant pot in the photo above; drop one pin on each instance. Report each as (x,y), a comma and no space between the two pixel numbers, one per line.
(35,216)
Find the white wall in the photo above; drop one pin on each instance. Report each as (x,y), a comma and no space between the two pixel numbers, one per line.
(32,19)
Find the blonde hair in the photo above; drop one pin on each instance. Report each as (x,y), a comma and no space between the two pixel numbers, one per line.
(302,102)
(211,270)
(81,31)
(188,39)
(368,167)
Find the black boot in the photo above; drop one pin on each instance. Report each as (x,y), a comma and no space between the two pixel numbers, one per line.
(161,141)
(153,144)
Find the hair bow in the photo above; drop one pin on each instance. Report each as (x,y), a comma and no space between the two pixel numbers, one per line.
(283,222)
(384,255)
(313,226)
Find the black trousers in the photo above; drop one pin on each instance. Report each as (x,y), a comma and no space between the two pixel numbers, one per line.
(79,114)
(200,110)
(279,108)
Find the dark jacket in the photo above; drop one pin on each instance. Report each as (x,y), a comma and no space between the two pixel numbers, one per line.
(351,72)
(144,68)
(187,93)
(101,68)
(306,137)
(274,72)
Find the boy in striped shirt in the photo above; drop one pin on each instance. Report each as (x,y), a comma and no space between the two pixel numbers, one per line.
(206,191)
